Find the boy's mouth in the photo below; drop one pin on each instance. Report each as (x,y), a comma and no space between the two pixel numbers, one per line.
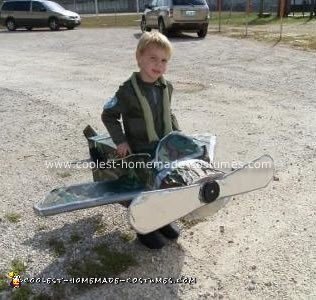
(156,72)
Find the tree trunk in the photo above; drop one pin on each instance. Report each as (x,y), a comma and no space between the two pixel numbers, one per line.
(283,9)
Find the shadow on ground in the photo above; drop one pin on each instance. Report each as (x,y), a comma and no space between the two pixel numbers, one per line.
(82,250)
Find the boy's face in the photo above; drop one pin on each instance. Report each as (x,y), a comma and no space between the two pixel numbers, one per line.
(152,63)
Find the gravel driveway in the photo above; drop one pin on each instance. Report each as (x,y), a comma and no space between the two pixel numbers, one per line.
(255,97)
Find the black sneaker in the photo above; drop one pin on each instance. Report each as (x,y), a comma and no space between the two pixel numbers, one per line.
(152,240)
(170,231)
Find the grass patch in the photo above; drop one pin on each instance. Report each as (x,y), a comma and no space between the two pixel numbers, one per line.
(111,21)
(43,296)
(240,19)
(57,246)
(13,217)
(103,263)
(58,291)
(22,293)
(75,237)
(42,227)
(190,223)
(64,174)
(4,282)
(127,236)
(17,266)
(100,227)
(293,29)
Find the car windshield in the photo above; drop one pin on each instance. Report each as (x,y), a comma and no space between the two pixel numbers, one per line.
(176,146)
(54,6)
(188,2)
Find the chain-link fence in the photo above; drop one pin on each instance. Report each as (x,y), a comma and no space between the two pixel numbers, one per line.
(265,20)
(103,6)
(258,6)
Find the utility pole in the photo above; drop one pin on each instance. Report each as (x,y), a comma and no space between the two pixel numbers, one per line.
(96,7)
(137,6)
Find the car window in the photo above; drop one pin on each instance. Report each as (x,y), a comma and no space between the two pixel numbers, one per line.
(37,6)
(162,3)
(189,2)
(7,6)
(53,6)
(21,5)
(154,3)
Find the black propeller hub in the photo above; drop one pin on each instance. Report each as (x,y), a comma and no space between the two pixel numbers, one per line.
(209,191)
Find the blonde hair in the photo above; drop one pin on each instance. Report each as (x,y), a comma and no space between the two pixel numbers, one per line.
(153,38)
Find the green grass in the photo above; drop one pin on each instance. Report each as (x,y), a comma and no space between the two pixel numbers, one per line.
(75,237)
(187,224)
(127,236)
(100,227)
(57,246)
(240,19)
(111,21)
(22,293)
(17,266)
(4,282)
(234,26)
(41,227)
(13,217)
(102,263)
(64,174)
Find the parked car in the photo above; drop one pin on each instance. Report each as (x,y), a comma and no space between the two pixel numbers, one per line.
(37,13)
(176,15)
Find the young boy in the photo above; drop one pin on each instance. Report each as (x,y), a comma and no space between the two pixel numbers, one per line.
(143,102)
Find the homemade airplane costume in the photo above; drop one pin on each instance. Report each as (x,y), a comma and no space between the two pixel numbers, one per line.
(179,180)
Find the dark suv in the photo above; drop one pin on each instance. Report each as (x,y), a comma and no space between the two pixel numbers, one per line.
(176,15)
(37,13)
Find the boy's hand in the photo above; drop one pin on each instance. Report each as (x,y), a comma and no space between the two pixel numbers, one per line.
(123,149)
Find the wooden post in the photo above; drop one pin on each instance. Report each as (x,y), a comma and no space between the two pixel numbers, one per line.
(281,17)
(219,7)
(261,8)
(313,9)
(247,15)
(231,9)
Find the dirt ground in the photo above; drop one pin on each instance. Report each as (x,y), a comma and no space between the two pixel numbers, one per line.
(257,98)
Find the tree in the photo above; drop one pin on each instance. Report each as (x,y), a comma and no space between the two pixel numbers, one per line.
(284,8)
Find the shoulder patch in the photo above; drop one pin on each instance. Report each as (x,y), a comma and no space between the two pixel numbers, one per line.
(110,103)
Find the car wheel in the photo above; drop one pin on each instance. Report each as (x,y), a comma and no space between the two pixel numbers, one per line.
(11,25)
(53,24)
(29,28)
(162,27)
(70,27)
(143,26)
(202,32)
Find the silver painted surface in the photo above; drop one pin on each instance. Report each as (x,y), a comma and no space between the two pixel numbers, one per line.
(152,210)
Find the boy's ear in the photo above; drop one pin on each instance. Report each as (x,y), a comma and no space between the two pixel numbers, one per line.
(137,58)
